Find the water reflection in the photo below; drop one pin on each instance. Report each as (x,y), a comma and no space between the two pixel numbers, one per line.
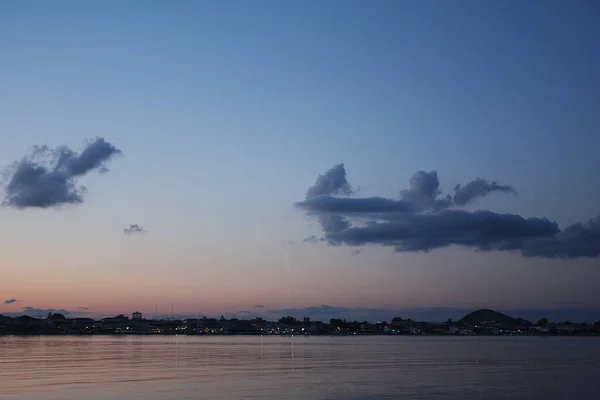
(298,367)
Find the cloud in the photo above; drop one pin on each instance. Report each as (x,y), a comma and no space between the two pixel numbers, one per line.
(329,205)
(331,182)
(483,230)
(83,308)
(424,191)
(134,229)
(47,177)
(577,240)
(10,301)
(477,188)
(423,220)
(357,252)
(312,239)
(259,306)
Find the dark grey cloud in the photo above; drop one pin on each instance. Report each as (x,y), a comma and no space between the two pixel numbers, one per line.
(48,177)
(423,195)
(10,301)
(259,306)
(330,205)
(331,182)
(577,240)
(483,230)
(83,308)
(477,188)
(423,220)
(357,252)
(134,229)
(333,223)
(424,191)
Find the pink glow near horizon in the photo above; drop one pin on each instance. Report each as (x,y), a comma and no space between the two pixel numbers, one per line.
(388,286)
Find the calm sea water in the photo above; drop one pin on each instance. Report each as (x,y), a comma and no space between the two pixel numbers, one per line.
(233,367)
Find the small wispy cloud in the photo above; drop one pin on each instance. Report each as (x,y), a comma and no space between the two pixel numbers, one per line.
(83,308)
(259,306)
(357,252)
(10,301)
(134,229)
(311,239)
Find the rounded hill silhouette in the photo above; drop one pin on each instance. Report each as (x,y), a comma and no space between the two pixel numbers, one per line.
(484,316)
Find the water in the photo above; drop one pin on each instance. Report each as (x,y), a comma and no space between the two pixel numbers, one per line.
(230,367)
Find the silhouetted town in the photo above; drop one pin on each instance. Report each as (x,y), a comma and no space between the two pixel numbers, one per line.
(480,322)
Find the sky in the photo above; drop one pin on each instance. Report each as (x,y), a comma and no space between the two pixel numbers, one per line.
(199,128)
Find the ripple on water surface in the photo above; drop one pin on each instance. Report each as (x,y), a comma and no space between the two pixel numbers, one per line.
(229,367)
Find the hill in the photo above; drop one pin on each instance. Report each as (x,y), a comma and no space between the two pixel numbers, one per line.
(490,316)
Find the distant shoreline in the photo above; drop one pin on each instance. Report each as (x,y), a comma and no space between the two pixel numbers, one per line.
(586,335)
(482,322)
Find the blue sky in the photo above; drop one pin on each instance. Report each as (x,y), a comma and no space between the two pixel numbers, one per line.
(226,112)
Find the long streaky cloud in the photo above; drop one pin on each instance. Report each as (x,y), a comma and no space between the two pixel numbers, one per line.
(424,220)
(10,301)
(370,205)
(48,177)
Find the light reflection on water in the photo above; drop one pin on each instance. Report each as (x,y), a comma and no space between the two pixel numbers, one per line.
(229,367)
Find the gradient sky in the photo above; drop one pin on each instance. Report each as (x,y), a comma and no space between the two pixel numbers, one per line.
(226,112)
